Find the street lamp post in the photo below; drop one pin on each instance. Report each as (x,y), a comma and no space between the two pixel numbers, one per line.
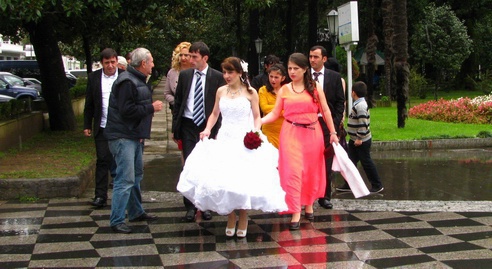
(332,20)
(259,46)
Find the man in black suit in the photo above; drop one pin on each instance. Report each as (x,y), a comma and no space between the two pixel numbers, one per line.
(193,103)
(95,117)
(332,87)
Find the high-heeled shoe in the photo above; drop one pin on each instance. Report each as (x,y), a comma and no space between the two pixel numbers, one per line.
(294,225)
(309,216)
(229,232)
(241,233)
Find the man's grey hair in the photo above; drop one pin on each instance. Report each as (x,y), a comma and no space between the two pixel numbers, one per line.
(139,55)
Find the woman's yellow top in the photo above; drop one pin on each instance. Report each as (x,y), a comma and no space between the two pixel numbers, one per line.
(267,102)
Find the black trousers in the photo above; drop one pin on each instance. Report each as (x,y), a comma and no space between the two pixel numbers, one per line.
(330,175)
(362,153)
(104,164)
(190,135)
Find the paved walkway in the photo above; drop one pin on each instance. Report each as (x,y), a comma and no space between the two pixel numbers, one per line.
(368,233)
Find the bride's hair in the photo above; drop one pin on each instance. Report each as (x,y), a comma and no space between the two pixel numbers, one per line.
(236,64)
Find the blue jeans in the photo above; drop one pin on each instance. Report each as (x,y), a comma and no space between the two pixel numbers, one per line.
(126,185)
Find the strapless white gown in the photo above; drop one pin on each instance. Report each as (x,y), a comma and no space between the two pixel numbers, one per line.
(223,175)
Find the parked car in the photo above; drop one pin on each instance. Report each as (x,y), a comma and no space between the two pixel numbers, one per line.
(72,80)
(5,98)
(78,72)
(33,83)
(13,86)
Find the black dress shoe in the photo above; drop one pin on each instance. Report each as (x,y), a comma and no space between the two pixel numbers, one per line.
(190,215)
(309,216)
(206,215)
(99,202)
(121,228)
(144,217)
(325,203)
(294,225)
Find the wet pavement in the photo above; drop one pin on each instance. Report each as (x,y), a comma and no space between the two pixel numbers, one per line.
(435,212)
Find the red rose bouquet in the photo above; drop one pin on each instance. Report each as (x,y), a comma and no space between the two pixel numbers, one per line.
(252,140)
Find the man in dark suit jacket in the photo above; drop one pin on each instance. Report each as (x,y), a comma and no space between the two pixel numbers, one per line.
(186,125)
(332,87)
(95,117)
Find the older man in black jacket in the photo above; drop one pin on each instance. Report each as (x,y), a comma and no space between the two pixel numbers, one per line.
(129,122)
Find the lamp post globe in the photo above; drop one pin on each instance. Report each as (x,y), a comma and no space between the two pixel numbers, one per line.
(259,47)
(332,21)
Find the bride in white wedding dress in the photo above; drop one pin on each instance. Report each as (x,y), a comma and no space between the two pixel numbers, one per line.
(223,175)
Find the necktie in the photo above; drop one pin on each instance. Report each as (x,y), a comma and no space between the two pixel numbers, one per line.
(316,75)
(198,107)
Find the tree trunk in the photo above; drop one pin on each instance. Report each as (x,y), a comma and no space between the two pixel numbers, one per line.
(55,86)
(289,42)
(402,69)
(387,11)
(371,47)
(254,33)
(87,52)
(312,23)
(239,42)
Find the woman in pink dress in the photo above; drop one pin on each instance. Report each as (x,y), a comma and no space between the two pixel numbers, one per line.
(301,159)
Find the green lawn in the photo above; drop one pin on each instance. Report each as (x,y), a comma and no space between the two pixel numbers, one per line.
(384,122)
(384,127)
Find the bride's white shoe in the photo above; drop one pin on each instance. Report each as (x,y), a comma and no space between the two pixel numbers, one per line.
(230,231)
(241,233)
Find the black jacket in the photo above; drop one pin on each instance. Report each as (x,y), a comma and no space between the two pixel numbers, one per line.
(130,109)
(93,101)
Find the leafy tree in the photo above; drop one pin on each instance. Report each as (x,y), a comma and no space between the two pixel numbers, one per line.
(441,40)
(46,22)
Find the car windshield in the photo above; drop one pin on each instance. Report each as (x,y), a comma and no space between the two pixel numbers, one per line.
(3,85)
(12,80)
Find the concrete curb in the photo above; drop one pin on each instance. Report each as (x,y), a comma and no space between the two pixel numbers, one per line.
(468,143)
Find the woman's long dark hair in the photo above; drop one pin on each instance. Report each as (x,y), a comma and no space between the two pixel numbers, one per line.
(302,61)
(234,64)
(277,68)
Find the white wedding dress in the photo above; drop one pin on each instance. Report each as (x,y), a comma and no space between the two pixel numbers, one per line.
(223,175)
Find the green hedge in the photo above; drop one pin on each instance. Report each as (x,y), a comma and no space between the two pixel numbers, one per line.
(79,89)
(12,109)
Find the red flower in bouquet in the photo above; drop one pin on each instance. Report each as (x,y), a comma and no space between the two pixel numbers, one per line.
(252,140)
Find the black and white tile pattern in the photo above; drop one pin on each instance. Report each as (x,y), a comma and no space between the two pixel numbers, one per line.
(69,233)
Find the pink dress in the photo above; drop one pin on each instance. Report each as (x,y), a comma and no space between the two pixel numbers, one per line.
(301,159)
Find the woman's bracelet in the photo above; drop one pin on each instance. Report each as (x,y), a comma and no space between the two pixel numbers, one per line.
(333,133)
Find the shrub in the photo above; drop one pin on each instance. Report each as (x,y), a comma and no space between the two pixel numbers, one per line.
(79,89)
(12,109)
(417,84)
(484,85)
(463,110)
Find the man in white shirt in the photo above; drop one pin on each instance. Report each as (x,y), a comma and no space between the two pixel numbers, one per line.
(331,82)
(95,117)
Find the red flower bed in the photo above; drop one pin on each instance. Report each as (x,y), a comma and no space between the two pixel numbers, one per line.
(463,110)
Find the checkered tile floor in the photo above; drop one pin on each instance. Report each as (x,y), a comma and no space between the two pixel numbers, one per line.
(69,233)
